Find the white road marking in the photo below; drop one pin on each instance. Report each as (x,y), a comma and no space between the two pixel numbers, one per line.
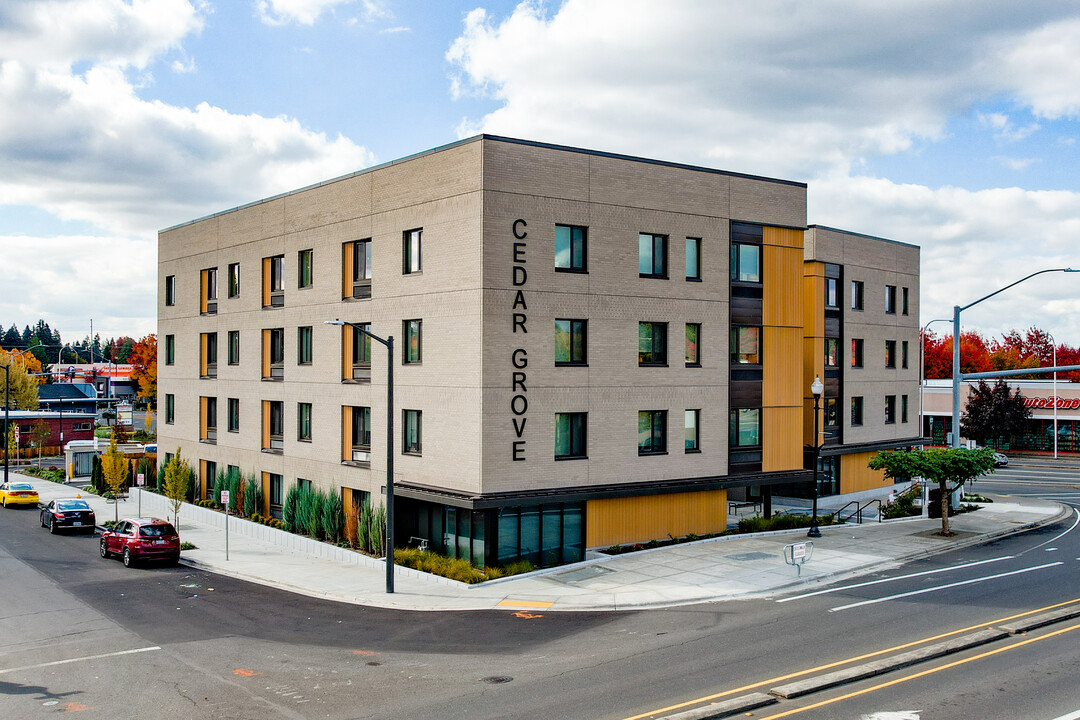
(1071,528)
(1074,715)
(942,587)
(890,579)
(888,715)
(80,659)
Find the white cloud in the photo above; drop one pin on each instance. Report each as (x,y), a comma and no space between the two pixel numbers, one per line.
(306,12)
(1016,163)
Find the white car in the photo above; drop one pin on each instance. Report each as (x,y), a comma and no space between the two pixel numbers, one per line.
(1000,460)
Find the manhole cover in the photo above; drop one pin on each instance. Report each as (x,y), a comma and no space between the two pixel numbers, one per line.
(747,556)
(496,679)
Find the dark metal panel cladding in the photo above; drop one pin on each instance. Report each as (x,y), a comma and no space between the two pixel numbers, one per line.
(745,394)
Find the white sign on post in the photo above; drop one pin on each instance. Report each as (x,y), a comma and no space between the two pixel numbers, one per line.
(225,502)
(140,479)
(798,551)
(225,499)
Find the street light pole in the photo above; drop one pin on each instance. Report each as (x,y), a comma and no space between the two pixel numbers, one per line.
(957,309)
(1054,340)
(816,388)
(389,343)
(7,417)
(922,372)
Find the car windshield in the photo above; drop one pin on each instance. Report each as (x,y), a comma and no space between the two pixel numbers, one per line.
(20,486)
(156,530)
(72,505)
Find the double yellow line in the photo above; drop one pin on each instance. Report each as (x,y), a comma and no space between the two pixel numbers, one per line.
(876,653)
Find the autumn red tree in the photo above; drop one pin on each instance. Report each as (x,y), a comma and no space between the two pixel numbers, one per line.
(1014,351)
(144,366)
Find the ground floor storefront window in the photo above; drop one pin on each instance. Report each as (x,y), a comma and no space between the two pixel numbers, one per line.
(1038,435)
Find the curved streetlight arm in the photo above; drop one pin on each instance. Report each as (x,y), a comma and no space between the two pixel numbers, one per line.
(987,297)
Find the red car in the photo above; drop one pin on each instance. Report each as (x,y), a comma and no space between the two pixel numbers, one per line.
(138,539)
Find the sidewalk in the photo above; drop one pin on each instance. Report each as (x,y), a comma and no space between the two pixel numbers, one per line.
(730,568)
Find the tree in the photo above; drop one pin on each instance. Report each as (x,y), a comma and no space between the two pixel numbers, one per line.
(177,482)
(40,432)
(114,468)
(993,412)
(939,465)
(144,366)
(23,386)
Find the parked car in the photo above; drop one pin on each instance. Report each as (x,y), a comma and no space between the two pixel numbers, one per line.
(71,513)
(1000,460)
(18,493)
(139,539)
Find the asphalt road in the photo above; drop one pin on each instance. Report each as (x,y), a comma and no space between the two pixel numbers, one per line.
(172,642)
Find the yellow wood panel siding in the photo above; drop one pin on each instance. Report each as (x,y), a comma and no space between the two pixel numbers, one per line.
(346,432)
(782,366)
(202,417)
(266,424)
(781,428)
(613,521)
(351,516)
(346,352)
(782,299)
(202,475)
(855,476)
(266,353)
(348,250)
(814,299)
(203,292)
(266,281)
(203,343)
(266,494)
(785,237)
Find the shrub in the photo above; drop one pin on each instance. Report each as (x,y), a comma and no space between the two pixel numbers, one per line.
(455,568)
(187,546)
(371,529)
(253,497)
(309,511)
(333,516)
(289,508)
(780,522)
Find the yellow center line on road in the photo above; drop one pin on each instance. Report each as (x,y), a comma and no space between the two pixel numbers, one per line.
(924,673)
(838,663)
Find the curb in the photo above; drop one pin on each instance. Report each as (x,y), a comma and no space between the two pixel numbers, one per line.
(724,709)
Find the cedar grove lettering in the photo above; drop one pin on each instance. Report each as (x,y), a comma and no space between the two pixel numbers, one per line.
(519,403)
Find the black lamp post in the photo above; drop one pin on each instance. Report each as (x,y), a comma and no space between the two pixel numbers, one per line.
(7,421)
(389,343)
(816,388)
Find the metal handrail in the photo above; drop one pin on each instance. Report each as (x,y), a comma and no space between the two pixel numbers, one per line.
(836,515)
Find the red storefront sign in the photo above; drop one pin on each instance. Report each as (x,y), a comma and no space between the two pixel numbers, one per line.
(1048,403)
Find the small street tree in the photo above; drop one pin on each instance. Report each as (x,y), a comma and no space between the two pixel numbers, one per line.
(993,412)
(114,468)
(177,483)
(40,432)
(939,465)
(143,358)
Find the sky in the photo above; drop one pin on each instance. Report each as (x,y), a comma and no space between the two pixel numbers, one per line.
(952,125)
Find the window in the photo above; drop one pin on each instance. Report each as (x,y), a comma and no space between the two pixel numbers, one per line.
(745,427)
(693,258)
(652,343)
(234,414)
(652,255)
(570,342)
(274,281)
(690,422)
(360,437)
(170,408)
(652,431)
(234,280)
(832,300)
(234,347)
(303,422)
(903,354)
(890,299)
(832,412)
(303,484)
(832,352)
(274,417)
(209,419)
(856,410)
(303,345)
(411,437)
(570,435)
(209,291)
(410,252)
(890,353)
(570,247)
(412,333)
(275,483)
(857,292)
(274,354)
(361,353)
(208,343)
(170,290)
(890,409)
(746,345)
(904,301)
(903,408)
(856,352)
(357,269)
(693,351)
(745,262)
(303,269)
(170,349)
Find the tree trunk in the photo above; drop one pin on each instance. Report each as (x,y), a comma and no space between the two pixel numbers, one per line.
(944,509)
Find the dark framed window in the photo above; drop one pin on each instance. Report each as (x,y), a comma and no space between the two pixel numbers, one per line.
(170,290)
(411,251)
(856,410)
(234,280)
(234,347)
(904,301)
(275,483)
(691,419)
(276,281)
(832,293)
(359,268)
(903,408)
(571,248)
(170,408)
(903,354)
(571,338)
(890,353)
(693,258)
(277,425)
(361,353)
(858,291)
(233,407)
(211,290)
(693,346)
(170,349)
(303,484)
(652,343)
(571,435)
(745,262)
(361,434)
(303,422)
(412,432)
(890,299)
(413,330)
(832,352)
(832,412)
(745,427)
(303,345)
(890,409)
(652,255)
(210,360)
(746,345)
(652,432)
(211,419)
(277,353)
(303,268)
(856,352)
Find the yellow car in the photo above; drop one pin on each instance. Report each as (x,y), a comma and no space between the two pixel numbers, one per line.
(18,493)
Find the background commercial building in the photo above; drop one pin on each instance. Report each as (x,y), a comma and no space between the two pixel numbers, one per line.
(591,349)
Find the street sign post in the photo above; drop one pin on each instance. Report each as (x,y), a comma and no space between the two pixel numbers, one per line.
(225,502)
(140,480)
(798,554)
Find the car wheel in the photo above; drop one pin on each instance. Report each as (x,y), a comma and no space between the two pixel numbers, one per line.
(102,549)
(3,501)
(128,559)
(52,526)
(41,519)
